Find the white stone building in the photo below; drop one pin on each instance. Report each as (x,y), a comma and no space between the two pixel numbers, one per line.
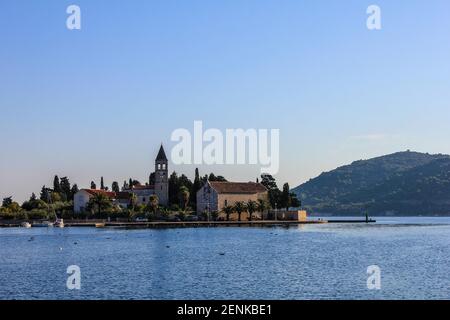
(214,195)
(142,192)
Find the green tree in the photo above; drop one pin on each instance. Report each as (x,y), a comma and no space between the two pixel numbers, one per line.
(14,207)
(74,190)
(164,213)
(228,210)
(7,202)
(184,197)
(274,193)
(55,197)
(133,201)
(285,201)
(151,179)
(185,181)
(34,203)
(261,207)
(66,188)
(239,207)
(100,202)
(153,203)
(45,194)
(213,177)
(135,182)
(252,206)
(56,184)
(214,215)
(6,214)
(173,188)
(295,202)
(115,187)
(196,186)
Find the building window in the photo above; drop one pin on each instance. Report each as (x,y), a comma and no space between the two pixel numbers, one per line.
(159,166)
(143,199)
(164,166)
(226,202)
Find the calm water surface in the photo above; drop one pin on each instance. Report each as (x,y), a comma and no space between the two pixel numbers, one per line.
(306,262)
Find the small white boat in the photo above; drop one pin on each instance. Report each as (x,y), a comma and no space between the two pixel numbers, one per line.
(25,225)
(59,223)
(45,224)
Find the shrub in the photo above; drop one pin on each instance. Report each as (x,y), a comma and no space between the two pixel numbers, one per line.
(38,214)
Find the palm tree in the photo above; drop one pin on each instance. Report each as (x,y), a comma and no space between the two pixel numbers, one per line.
(261,207)
(153,203)
(133,201)
(184,197)
(228,210)
(101,201)
(214,215)
(239,207)
(252,206)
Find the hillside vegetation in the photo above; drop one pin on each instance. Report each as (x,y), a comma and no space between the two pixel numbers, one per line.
(404,183)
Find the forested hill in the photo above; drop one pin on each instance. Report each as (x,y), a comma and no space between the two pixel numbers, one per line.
(403,183)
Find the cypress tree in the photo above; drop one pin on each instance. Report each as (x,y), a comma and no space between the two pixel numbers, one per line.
(115,187)
(73,191)
(45,195)
(65,188)
(56,184)
(285,197)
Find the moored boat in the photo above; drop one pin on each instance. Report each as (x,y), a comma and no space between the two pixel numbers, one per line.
(25,225)
(100,225)
(44,224)
(59,223)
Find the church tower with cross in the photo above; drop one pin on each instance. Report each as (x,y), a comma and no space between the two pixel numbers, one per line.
(162,177)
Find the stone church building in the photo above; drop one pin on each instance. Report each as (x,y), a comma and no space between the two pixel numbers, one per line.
(214,195)
(160,187)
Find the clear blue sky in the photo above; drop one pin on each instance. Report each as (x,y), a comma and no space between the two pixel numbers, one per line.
(99,101)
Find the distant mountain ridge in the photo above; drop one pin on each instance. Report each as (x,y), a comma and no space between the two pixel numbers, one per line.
(403,183)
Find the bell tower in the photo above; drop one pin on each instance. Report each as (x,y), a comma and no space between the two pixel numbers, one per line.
(162,177)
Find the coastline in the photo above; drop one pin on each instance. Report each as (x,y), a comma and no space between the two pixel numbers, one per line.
(169,224)
(196,224)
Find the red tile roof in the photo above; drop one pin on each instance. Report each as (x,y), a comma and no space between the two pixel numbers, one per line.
(238,187)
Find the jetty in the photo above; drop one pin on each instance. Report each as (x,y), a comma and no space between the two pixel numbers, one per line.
(352,221)
(191,224)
